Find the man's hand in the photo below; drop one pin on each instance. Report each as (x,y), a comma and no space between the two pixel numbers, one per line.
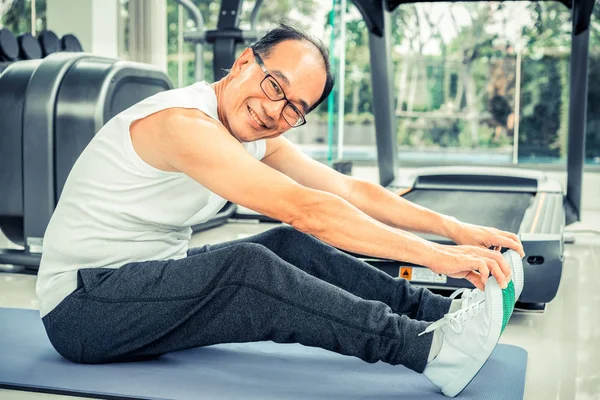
(470,262)
(477,254)
(485,237)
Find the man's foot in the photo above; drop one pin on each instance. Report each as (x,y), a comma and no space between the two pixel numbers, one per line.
(468,338)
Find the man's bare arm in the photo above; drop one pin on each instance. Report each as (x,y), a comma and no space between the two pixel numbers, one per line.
(288,159)
(372,199)
(190,142)
(395,211)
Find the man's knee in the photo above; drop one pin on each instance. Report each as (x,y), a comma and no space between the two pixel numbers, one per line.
(283,231)
(249,251)
(290,235)
(251,261)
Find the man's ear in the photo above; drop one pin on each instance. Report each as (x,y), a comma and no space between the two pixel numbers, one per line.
(243,61)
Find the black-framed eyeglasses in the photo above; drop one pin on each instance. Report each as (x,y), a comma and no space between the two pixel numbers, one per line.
(274,92)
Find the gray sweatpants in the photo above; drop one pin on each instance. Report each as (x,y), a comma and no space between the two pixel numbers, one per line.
(281,285)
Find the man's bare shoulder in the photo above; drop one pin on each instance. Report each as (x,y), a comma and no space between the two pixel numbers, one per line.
(178,115)
(167,129)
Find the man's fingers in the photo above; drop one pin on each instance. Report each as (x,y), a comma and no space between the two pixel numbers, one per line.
(485,267)
(512,236)
(498,266)
(481,266)
(497,272)
(475,279)
(510,241)
(504,267)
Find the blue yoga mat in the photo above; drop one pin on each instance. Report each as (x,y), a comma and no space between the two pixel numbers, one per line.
(262,370)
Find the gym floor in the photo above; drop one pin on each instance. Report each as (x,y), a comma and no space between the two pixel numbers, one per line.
(563,342)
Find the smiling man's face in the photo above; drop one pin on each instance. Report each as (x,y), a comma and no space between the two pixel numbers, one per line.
(298,72)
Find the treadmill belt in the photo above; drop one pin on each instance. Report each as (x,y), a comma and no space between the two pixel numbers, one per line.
(501,210)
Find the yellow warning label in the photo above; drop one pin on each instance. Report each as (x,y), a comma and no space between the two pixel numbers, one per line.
(406,273)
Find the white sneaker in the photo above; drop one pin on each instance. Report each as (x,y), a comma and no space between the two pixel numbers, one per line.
(469,337)
(518,277)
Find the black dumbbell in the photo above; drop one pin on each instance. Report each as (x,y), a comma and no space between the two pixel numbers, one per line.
(9,48)
(49,42)
(70,42)
(29,47)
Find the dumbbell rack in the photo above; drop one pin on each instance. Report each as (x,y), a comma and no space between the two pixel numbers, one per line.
(27,47)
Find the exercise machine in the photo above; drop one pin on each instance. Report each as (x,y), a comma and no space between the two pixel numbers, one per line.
(224,39)
(525,202)
(50,110)
(528,203)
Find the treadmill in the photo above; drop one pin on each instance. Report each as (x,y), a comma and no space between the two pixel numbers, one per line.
(525,202)
(521,201)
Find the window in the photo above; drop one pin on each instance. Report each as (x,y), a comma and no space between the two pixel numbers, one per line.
(16,15)
(487,83)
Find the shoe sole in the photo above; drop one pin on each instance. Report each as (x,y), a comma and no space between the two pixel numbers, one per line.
(497,299)
(516,264)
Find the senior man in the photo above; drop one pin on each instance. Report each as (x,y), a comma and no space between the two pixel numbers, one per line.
(118,281)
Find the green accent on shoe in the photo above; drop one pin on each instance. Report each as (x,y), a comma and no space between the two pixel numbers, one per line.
(508,303)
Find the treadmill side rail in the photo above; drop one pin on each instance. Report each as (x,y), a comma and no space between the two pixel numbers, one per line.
(546,215)
(480,179)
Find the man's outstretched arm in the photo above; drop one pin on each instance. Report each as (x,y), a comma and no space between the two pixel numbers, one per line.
(370,198)
(379,203)
(189,142)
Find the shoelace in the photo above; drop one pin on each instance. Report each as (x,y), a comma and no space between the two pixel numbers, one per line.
(468,294)
(454,319)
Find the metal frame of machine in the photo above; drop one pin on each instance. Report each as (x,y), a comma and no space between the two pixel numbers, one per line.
(542,228)
(45,133)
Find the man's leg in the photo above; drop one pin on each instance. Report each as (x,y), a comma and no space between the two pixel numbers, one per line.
(241,293)
(345,271)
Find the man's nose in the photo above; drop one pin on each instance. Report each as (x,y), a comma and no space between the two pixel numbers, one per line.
(273,108)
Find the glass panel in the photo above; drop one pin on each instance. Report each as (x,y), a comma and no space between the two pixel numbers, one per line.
(123,36)
(271,13)
(320,137)
(484,83)
(592,149)
(16,15)
(181,54)
(544,87)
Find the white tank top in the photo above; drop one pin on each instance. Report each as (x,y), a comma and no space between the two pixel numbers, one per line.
(116,209)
